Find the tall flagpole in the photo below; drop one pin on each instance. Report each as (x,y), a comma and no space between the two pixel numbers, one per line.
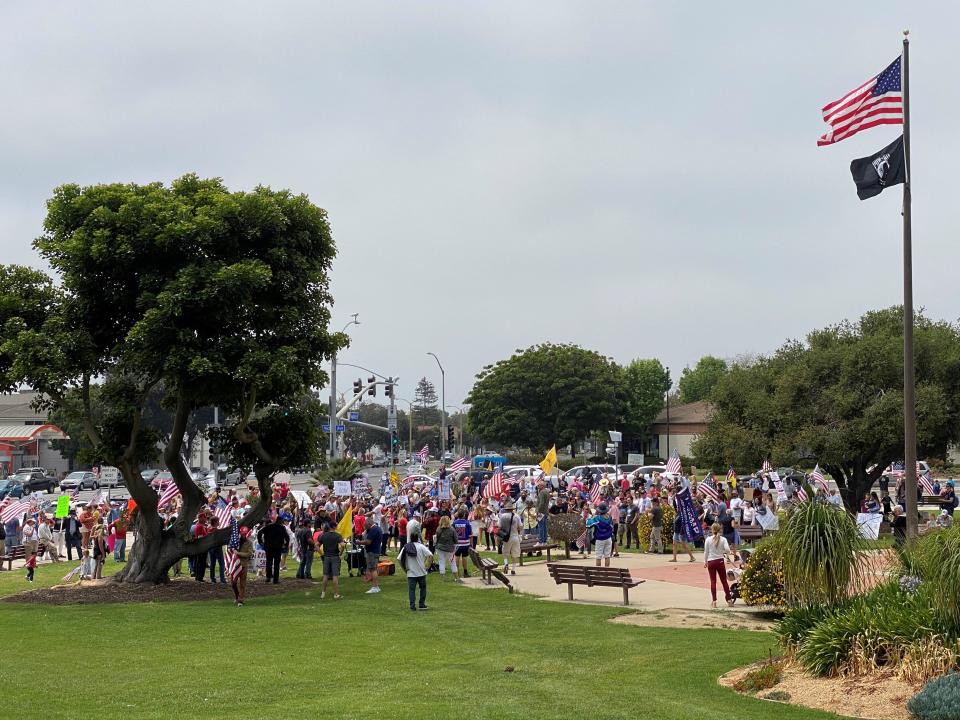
(909,402)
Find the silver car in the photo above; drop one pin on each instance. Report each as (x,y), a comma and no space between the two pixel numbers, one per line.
(80,480)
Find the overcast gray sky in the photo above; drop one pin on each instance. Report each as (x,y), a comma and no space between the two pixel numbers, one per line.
(640,178)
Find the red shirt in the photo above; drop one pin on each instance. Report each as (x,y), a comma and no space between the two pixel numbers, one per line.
(402,527)
(359,524)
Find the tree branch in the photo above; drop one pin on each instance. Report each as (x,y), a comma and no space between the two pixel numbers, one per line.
(172,455)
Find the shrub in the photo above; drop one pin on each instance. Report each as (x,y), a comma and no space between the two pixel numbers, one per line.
(939,699)
(819,545)
(935,560)
(762,579)
(777,696)
(763,678)
(644,527)
(796,624)
(869,631)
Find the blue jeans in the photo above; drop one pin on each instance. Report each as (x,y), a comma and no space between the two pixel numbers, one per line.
(120,550)
(305,571)
(542,530)
(216,556)
(412,584)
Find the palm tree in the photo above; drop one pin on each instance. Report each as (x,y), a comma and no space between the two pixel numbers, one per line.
(338,469)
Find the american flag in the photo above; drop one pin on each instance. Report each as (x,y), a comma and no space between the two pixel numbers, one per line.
(877,102)
(13,508)
(924,482)
(169,493)
(424,453)
(221,511)
(232,563)
(802,494)
(819,482)
(495,486)
(732,477)
(673,464)
(582,540)
(766,467)
(706,487)
(595,494)
(97,499)
(460,464)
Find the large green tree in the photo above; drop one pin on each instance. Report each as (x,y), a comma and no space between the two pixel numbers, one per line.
(837,399)
(645,383)
(698,382)
(211,297)
(545,395)
(426,406)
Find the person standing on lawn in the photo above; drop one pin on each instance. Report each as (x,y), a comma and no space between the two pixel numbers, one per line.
(71,535)
(275,541)
(372,541)
(543,510)
(306,548)
(45,535)
(465,539)
(216,555)
(715,551)
(246,556)
(680,539)
(331,542)
(508,533)
(446,546)
(31,565)
(415,559)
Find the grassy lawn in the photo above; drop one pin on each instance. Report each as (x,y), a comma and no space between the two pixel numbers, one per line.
(295,656)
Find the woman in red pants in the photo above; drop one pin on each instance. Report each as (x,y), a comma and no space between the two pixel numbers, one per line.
(715,551)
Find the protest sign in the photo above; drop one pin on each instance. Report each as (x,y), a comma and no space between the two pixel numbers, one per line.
(341,488)
(869,525)
(63,506)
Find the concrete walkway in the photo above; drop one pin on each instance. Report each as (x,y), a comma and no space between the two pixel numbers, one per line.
(683,584)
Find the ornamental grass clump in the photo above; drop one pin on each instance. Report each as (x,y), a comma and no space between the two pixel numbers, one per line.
(762,579)
(819,545)
(933,562)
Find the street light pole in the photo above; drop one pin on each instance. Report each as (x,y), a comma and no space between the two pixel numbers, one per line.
(443,411)
(409,426)
(668,413)
(332,419)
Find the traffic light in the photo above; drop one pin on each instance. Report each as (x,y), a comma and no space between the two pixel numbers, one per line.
(450,439)
(357,387)
(373,388)
(394,445)
(388,388)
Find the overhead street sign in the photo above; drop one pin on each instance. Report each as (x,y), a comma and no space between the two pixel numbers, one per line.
(326,427)
(354,416)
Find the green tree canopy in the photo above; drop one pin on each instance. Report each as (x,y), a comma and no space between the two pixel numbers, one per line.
(545,395)
(212,297)
(697,383)
(838,400)
(645,382)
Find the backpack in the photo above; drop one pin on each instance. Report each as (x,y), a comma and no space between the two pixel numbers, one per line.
(503,533)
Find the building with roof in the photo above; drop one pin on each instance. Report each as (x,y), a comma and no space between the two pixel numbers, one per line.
(681,424)
(25,436)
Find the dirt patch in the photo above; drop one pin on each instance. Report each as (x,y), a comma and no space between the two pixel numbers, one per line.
(95,592)
(680,618)
(882,696)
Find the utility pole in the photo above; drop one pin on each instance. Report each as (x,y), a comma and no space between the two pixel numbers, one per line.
(333,395)
(443,410)
(668,413)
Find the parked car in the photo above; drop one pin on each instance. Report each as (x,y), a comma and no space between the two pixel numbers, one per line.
(382,461)
(80,480)
(161,479)
(226,476)
(35,479)
(11,488)
(149,474)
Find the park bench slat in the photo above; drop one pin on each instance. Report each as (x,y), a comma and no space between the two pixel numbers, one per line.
(592,576)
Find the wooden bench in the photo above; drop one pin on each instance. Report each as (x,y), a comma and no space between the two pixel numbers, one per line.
(931,500)
(16,553)
(592,576)
(532,545)
(750,533)
(489,569)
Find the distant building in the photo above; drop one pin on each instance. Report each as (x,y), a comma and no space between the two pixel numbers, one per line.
(25,436)
(686,422)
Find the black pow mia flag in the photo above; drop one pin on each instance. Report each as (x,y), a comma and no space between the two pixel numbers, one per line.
(880,170)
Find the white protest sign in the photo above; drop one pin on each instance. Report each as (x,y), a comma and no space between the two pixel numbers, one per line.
(444,489)
(778,483)
(303,500)
(341,488)
(869,525)
(768,520)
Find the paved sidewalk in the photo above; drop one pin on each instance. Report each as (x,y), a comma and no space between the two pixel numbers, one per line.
(683,584)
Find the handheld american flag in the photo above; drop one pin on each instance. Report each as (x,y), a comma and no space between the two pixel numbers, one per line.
(495,486)
(879,101)
(766,467)
(424,454)
(459,464)
(673,464)
(819,482)
(232,563)
(802,494)
(706,487)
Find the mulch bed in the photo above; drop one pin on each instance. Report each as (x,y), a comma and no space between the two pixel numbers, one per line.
(95,592)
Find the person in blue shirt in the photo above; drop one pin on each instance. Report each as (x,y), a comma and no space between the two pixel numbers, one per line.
(602,525)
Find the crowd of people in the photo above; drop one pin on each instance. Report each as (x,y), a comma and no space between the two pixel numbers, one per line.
(432,527)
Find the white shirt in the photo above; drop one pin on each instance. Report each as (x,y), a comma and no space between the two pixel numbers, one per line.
(713,550)
(417,564)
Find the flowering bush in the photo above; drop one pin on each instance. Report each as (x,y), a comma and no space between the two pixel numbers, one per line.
(762,580)
(644,527)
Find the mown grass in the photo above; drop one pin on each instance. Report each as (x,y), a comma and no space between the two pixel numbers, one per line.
(295,656)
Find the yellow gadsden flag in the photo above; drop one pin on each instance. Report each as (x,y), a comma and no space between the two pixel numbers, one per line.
(345,526)
(394,479)
(548,463)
